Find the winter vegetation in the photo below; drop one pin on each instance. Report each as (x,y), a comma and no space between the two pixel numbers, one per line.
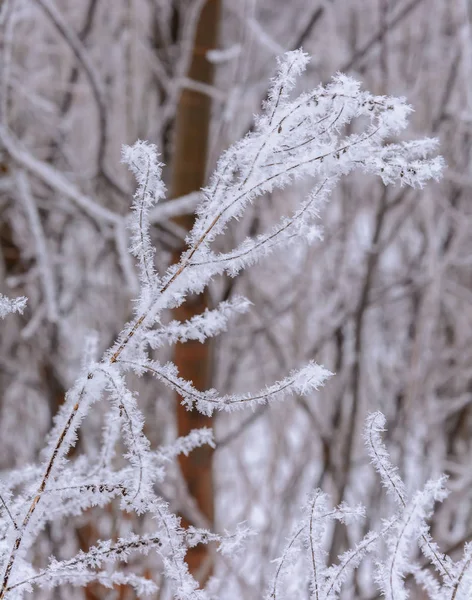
(326,230)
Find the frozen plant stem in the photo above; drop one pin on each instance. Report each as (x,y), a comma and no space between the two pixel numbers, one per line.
(293,139)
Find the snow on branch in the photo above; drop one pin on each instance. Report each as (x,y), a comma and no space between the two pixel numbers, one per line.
(203,326)
(81,569)
(301,137)
(11,305)
(375,426)
(142,161)
(187,443)
(402,536)
(303,381)
(305,553)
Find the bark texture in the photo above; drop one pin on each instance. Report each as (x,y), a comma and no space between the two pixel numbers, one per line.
(193,359)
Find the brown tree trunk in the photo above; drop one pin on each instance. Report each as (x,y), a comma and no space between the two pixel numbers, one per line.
(193,359)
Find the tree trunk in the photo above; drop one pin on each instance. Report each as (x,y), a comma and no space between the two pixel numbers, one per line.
(193,359)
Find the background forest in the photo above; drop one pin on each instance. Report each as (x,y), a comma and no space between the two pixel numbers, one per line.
(383,301)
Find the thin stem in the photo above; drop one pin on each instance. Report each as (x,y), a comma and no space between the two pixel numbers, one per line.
(42,486)
(5,506)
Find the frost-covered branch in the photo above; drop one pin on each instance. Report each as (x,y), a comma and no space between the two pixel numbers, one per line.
(317,137)
(11,305)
